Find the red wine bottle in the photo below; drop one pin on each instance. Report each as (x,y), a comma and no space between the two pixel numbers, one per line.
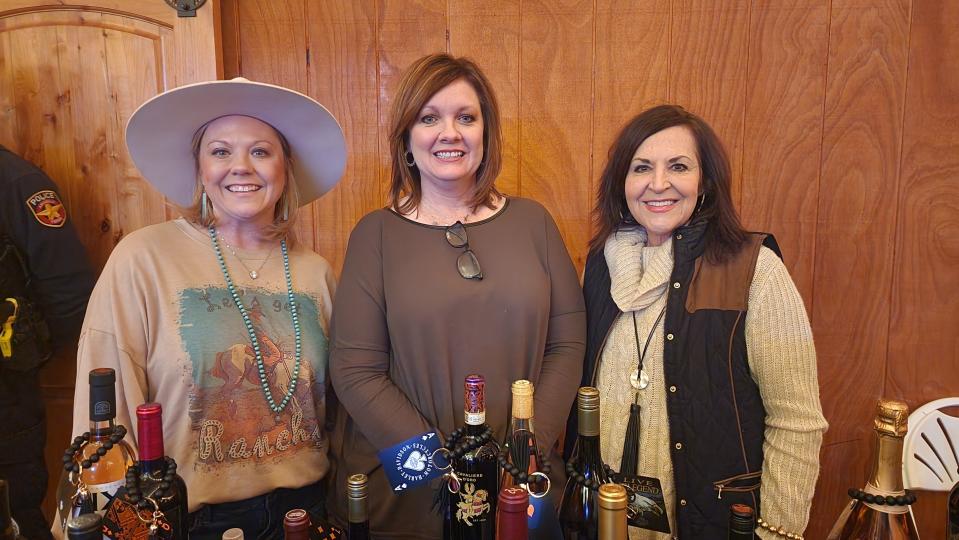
(511,519)
(579,509)
(8,527)
(471,514)
(296,525)
(152,484)
(742,522)
(358,508)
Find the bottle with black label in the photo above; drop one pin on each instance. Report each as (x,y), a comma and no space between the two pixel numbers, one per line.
(472,509)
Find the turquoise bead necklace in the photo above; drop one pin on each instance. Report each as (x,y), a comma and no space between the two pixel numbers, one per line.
(261,369)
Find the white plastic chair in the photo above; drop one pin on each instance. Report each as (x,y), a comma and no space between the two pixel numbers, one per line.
(930,452)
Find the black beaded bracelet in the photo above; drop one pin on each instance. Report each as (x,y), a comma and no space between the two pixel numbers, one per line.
(133,484)
(69,456)
(458,448)
(522,476)
(890,500)
(580,478)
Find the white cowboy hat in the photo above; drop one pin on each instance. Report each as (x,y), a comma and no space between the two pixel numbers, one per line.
(160,132)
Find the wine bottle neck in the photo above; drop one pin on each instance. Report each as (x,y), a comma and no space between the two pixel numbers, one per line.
(887,473)
(589,454)
(102,429)
(520,424)
(475,430)
(153,467)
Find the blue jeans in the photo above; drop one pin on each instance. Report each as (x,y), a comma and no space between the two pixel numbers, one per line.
(261,517)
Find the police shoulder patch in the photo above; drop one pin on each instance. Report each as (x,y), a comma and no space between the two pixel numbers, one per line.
(47,208)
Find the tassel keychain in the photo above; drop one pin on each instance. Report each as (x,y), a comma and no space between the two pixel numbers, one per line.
(646,508)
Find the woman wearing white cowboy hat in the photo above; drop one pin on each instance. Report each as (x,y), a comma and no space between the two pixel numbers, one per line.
(219,315)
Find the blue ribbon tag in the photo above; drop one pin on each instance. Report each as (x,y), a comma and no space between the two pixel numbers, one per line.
(408,463)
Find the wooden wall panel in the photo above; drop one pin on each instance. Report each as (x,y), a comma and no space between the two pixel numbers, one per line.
(489,33)
(922,362)
(343,76)
(631,72)
(8,116)
(557,73)
(707,67)
(788,44)
(862,130)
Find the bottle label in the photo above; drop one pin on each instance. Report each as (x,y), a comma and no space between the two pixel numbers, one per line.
(108,487)
(123,521)
(475,419)
(473,506)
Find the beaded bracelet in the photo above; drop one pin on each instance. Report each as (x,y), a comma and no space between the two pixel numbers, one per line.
(69,456)
(899,500)
(591,483)
(778,530)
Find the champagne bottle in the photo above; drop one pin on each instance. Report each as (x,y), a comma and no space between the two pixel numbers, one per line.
(511,518)
(296,525)
(742,522)
(8,527)
(952,526)
(85,527)
(152,484)
(612,501)
(104,477)
(578,514)
(882,510)
(521,454)
(472,509)
(358,508)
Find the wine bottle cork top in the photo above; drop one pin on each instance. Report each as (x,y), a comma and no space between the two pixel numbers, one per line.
(587,405)
(514,499)
(588,399)
(103,377)
(741,510)
(612,496)
(892,417)
(356,486)
(522,399)
(233,534)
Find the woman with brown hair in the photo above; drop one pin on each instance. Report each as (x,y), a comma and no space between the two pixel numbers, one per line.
(697,321)
(451,278)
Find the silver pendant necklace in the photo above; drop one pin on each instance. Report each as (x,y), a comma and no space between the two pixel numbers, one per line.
(639,378)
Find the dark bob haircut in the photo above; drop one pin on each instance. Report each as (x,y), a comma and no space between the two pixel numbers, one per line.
(724,233)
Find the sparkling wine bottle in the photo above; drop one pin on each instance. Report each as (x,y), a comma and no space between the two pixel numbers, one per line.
(511,518)
(612,501)
(152,488)
(85,527)
(358,508)
(742,522)
(104,463)
(472,509)
(578,514)
(521,455)
(882,510)
(8,527)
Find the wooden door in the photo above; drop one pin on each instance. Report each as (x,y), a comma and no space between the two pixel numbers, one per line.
(71,74)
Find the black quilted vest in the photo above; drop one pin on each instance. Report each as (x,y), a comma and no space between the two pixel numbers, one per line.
(716,414)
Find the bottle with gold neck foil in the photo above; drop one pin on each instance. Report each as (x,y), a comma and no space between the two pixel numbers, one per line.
(882,509)
(358,508)
(612,512)
(579,509)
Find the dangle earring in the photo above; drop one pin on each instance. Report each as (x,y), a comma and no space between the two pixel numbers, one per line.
(408,157)
(286,210)
(203,207)
(702,201)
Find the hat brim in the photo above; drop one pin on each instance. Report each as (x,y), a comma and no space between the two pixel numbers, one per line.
(160,132)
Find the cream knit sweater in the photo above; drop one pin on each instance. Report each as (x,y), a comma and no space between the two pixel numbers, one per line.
(782,360)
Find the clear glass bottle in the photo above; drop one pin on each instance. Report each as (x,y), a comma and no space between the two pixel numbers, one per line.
(864,520)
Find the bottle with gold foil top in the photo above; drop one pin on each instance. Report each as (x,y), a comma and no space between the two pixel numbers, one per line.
(882,510)
(523,466)
(612,512)
(358,508)
(471,514)
(585,471)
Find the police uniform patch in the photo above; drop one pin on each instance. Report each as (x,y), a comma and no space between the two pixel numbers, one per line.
(47,208)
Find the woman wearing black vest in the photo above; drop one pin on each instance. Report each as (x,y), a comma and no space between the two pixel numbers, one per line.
(697,321)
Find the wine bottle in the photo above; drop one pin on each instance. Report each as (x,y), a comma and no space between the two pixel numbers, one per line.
(578,515)
(612,501)
(296,525)
(882,510)
(952,525)
(358,509)
(522,455)
(8,527)
(742,522)
(511,519)
(233,534)
(472,509)
(151,484)
(85,527)
(103,475)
